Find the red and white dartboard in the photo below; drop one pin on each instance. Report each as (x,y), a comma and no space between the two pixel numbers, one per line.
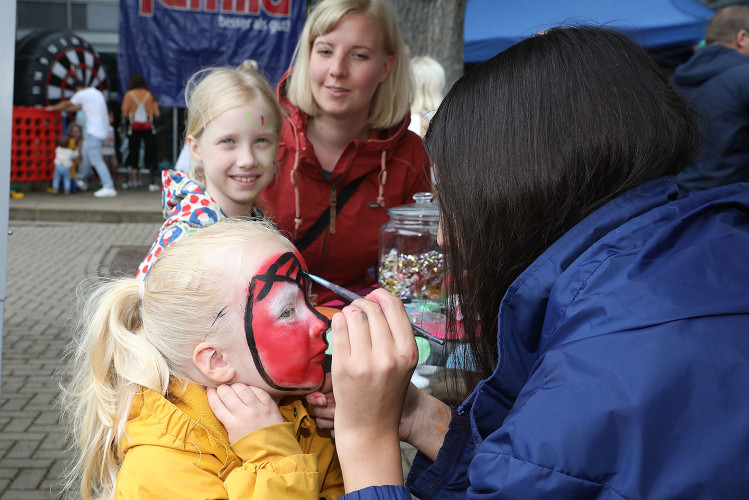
(49,62)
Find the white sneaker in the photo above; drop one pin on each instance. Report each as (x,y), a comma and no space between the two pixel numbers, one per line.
(82,185)
(154,187)
(105,193)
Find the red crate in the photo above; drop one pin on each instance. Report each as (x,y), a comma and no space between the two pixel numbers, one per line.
(35,132)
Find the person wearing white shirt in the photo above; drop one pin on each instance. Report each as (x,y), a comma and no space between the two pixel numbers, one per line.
(94,106)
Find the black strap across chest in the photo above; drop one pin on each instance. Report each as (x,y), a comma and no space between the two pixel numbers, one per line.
(322,222)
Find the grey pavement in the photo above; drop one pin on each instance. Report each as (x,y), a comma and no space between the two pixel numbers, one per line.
(46,261)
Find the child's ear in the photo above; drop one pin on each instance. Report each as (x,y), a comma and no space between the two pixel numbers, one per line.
(212,363)
(193,143)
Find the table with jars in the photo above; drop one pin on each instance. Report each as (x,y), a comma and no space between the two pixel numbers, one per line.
(412,267)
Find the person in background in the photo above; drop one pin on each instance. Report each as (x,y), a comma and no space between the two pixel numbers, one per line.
(75,136)
(108,151)
(233,122)
(429,85)
(64,156)
(172,392)
(345,154)
(139,108)
(715,82)
(94,106)
(607,316)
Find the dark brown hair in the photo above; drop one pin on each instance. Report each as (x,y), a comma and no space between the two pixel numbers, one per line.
(137,82)
(532,141)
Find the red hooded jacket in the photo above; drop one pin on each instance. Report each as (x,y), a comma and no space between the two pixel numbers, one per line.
(348,247)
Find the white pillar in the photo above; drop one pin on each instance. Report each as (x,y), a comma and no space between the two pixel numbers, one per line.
(7,60)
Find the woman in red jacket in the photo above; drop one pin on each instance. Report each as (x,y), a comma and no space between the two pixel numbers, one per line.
(345,154)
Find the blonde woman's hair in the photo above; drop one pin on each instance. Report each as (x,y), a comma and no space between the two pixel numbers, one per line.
(211,91)
(429,84)
(124,344)
(392,97)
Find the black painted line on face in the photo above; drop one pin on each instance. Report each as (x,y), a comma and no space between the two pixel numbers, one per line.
(295,276)
(220,315)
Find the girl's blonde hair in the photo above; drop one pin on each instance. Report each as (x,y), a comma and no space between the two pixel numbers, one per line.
(429,84)
(211,91)
(392,97)
(124,344)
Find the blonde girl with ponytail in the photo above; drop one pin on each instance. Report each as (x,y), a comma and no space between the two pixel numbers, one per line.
(172,389)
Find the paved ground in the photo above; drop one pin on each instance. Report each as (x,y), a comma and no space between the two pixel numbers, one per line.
(47,259)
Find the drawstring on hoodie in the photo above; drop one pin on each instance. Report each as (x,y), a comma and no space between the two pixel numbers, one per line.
(382,177)
(297,201)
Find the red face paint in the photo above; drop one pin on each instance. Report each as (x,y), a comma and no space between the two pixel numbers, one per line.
(284,331)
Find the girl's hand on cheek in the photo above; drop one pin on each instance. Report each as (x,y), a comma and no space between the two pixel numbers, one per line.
(243,408)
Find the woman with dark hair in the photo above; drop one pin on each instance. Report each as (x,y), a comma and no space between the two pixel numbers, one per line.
(139,107)
(607,318)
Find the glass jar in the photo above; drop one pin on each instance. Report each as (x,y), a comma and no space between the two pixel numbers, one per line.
(411,264)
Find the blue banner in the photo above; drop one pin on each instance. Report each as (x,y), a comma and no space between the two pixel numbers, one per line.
(167,41)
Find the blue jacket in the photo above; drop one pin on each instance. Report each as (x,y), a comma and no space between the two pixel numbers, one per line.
(715,81)
(624,367)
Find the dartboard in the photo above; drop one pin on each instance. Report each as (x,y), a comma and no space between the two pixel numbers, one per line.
(49,62)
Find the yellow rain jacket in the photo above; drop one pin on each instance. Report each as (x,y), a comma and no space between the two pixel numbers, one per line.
(177,449)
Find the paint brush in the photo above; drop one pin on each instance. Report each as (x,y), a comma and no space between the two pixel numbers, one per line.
(351,296)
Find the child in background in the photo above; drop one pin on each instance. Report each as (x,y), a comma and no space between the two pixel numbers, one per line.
(75,133)
(189,384)
(233,124)
(64,157)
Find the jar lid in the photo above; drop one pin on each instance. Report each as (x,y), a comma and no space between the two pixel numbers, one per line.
(422,209)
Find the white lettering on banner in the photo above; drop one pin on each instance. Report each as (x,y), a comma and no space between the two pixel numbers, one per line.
(234,23)
(242,23)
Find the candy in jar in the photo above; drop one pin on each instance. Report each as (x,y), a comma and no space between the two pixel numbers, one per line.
(411,264)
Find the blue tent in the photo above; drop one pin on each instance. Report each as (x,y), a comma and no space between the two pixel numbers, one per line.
(493,25)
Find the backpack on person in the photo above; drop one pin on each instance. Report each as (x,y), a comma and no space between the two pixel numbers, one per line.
(140,119)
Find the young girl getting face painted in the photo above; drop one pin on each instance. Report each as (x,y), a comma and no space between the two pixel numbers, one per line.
(277,343)
(214,349)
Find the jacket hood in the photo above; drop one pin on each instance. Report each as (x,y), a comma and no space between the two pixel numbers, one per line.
(706,64)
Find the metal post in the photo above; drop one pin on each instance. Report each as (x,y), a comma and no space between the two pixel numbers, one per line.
(7,59)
